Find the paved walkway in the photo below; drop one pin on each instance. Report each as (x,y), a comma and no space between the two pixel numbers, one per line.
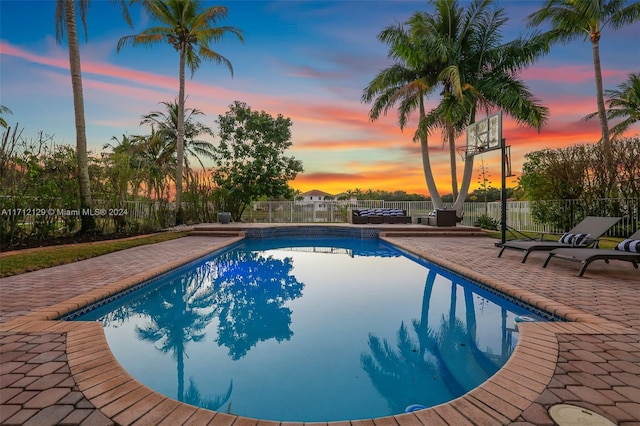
(56,372)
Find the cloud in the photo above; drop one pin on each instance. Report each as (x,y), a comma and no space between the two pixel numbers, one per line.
(309,72)
(569,74)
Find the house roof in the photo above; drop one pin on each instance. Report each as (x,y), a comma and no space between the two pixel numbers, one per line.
(316,193)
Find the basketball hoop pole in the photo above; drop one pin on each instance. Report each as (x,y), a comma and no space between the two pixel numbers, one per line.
(503,192)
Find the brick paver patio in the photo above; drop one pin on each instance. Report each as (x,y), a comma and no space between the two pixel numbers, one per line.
(55,372)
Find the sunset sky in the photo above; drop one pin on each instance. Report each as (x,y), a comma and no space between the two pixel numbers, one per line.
(307,60)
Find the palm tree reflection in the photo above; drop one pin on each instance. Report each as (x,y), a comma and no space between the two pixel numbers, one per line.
(246,291)
(440,364)
(180,315)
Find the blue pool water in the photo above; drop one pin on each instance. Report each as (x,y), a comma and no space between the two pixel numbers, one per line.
(311,329)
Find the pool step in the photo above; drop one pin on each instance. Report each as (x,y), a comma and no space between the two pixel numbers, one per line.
(217,231)
(434,233)
(431,231)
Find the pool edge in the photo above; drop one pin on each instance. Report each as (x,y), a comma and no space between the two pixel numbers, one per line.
(86,342)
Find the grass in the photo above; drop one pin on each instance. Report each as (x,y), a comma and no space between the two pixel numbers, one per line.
(27,261)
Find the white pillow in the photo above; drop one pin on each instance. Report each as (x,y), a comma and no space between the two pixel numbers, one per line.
(566,238)
(574,239)
(630,245)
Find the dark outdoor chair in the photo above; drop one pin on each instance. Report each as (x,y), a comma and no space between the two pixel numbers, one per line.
(628,251)
(583,235)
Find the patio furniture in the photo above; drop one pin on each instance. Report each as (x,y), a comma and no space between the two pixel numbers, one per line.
(627,251)
(379,215)
(442,217)
(583,235)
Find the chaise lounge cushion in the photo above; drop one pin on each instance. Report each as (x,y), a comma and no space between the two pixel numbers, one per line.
(630,245)
(574,239)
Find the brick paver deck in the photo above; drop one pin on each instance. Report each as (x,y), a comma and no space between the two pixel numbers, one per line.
(56,372)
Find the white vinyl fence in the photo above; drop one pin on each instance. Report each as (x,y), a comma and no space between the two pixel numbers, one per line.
(519,213)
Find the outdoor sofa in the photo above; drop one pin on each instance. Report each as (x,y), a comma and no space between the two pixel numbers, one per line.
(379,215)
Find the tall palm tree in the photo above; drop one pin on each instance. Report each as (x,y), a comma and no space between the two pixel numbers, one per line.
(406,82)
(461,52)
(66,20)
(573,19)
(478,71)
(188,28)
(624,103)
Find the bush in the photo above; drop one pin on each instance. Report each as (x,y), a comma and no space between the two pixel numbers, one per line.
(487,222)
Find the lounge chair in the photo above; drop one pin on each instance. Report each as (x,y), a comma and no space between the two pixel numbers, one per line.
(583,235)
(628,251)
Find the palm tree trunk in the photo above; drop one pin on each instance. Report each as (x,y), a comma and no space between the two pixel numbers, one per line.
(88,221)
(180,141)
(467,174)
(426,164)
(452,159)
(602,113)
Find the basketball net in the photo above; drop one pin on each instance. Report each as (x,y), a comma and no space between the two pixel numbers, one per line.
(468,151)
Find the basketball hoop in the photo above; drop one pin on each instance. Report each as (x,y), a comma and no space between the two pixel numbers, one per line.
(462,153)
(469,151)
(484,135)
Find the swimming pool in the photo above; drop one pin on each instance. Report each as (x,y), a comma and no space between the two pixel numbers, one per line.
(311,329)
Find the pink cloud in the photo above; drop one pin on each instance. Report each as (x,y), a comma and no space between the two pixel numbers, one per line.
(569,74)
(103,69)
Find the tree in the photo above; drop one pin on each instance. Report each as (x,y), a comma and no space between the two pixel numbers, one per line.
(405,83)
(166,124)
(573,19)
(624,103)
(460,51)
(250,157)
(4,110)
(188,28)
(66,20)
(555,174)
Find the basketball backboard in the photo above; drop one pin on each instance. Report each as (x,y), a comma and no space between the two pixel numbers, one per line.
(484,135)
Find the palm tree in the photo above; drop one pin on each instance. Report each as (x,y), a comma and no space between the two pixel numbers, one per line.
(406,82)
(166,124)
(460,51)
(66,20)
(159,163)
(4,110)
(188,28)
(573,19)
(624,103)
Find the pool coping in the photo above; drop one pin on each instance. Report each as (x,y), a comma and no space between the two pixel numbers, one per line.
(499,400)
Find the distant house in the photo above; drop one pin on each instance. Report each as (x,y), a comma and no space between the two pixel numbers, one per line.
(321,206)
(314,195)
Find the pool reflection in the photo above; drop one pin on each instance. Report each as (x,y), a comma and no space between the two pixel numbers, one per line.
(244,290)
(216,320)
(443,358)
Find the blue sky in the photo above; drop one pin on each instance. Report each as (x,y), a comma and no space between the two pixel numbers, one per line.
(307,60)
